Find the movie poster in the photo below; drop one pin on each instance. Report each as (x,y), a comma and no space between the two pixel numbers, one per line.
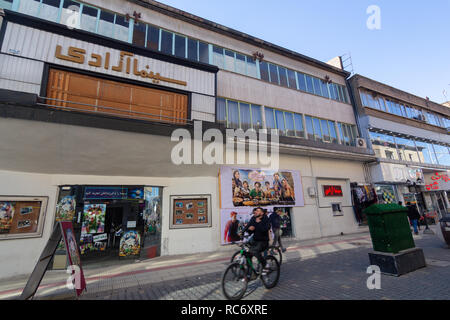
(246,187)
(65,210)
(73,254)
(130,244)
(94,218)
(7,210)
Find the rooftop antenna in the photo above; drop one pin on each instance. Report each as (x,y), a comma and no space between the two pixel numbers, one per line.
(347,62)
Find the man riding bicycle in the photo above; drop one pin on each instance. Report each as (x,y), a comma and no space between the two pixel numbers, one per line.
(259,226)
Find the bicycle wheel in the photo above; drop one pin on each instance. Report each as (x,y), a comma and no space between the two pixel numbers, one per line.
(234,281)
(270,280)
(276,252)
(236,257)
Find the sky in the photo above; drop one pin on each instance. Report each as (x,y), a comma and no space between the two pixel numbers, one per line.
(410,51)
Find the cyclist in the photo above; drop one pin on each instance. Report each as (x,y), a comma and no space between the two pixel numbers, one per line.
(259,226)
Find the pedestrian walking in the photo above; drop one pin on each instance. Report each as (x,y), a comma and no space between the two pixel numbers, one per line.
(414,216)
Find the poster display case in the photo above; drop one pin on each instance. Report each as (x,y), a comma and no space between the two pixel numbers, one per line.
(22,217)
(187,211)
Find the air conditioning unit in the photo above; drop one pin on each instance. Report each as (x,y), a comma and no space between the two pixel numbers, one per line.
(361,143)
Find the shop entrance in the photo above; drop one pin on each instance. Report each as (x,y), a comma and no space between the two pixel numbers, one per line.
(113,223)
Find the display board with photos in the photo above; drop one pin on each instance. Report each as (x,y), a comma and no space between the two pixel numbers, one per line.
(190,211)
(22,217)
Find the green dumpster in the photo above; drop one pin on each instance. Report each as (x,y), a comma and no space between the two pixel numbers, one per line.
(389,228)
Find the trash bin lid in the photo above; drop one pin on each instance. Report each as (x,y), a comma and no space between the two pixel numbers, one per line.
(384,208)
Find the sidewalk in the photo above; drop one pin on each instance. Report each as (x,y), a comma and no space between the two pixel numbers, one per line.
(101,278)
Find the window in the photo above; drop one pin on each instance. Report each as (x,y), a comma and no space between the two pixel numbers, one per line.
(282,72)
(256,117)
(381,104)
(29,7)
(6,4)
(89,18)
(203,52)
(291,79)
(426,152)
(270,118)
(325,130)
(273,73)
(324,86)
(317,131)
(389,155)
(279,117)
(153,38)
(442,154)
(217,57)
(251,67)
(290,127)
(406,149)
(240,64)
(309,127)
(166,42)
(333,91)
(245,117)
(333,135)
(50,9)
(301,81)
(233,114)
(221,111)
(346,134)
(317,86)
(192,49)
(121,28)
(383,145)
(299,129)
(67,14)
(309,84)
(229,60)
(139,33)
(180,46)
(264,71)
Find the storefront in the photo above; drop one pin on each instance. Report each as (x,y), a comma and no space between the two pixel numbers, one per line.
(436,191)
(113,222)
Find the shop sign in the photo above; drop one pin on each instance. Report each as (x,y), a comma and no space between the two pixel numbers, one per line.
(100,237)
(332,191)
(246,187)
(78,55)
(112,193)
(439,181)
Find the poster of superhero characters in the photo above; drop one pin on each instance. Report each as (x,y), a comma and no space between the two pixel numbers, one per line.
(247,187)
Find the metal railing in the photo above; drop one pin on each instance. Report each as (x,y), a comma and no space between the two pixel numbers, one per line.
(119,112)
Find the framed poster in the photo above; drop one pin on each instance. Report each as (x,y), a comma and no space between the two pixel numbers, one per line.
(22,217)
(247,187)
(190,211)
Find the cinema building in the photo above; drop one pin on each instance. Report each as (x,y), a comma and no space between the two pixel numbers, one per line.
(410,138)
(90,95)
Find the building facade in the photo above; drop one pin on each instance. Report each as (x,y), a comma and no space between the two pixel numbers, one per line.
(91,94)
(410,138)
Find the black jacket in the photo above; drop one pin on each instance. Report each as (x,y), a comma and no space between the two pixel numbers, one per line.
(261,232)
(413,214)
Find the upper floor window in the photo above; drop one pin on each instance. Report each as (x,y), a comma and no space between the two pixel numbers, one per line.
(239,115)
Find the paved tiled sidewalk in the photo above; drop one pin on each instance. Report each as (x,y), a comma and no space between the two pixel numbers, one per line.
(333,268)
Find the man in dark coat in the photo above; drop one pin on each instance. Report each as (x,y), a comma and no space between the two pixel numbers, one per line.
(414,216)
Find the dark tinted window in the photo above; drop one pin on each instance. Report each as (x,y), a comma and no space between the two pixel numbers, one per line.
(264,70)
(273,73)
(283,76)
(203,52)
(192,49)
(121,21)
(309,84)
(107,16)
(139,34)
(166,42)
(324,86)
(90,11)
(317,86)
(152,38)
(291,79)
(180,46)
(301,81)
(68,3)
(53,3)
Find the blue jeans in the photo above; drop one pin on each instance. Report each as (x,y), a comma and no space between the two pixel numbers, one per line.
(414,223)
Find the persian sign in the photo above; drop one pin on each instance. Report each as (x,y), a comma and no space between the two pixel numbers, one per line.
(80,56)
(244,187)
(332,191)
(438,181)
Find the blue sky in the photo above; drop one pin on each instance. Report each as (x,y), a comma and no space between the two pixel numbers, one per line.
(411,51)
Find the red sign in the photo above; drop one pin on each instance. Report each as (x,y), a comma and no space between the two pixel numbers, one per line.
(74,256)
(435,185)
(332,191)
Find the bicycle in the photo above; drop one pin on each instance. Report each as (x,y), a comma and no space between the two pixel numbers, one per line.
(238,274)
(271,250)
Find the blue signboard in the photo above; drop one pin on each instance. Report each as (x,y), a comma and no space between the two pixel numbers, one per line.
(105,193)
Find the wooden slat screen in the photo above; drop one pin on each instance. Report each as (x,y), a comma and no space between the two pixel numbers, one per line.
(126,99)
